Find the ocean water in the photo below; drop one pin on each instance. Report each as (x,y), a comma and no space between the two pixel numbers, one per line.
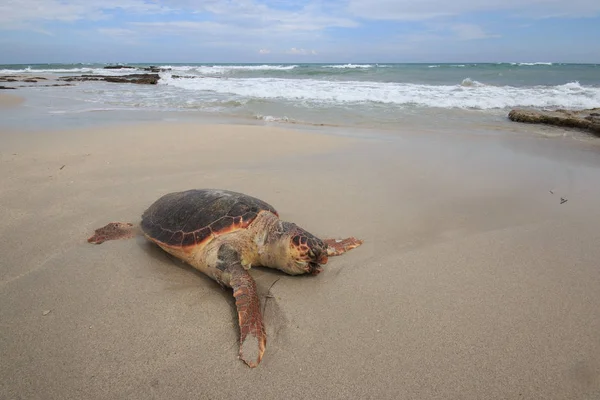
(360,95)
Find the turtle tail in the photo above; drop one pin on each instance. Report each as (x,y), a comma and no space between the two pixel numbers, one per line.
(252,331)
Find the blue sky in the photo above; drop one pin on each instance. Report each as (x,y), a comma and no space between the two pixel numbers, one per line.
(161,31)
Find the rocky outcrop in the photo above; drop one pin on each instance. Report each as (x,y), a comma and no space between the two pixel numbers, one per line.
(152,68)
(20,78)
(155,69)
(55,84)
(588,120)
(140,79)
(118,67)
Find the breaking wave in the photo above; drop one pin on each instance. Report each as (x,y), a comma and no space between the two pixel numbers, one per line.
(531,64)
(449,65)
(224,69)
(469,94)
(468,82)
(349,66)
(66,71)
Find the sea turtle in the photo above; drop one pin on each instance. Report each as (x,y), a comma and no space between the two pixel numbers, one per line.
(223,234)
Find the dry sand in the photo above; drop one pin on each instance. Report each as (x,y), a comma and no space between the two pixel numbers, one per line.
(474,282)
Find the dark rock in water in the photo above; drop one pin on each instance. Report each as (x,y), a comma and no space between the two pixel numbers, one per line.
(118,67)
(155,69)
(152,68)
(141,79)
(52,85)
(20,78)
(588,120)
(28,79)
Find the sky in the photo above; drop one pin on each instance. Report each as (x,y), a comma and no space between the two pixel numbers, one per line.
(299,31)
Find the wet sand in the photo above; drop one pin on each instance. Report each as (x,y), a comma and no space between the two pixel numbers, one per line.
(9,100)
(474,281)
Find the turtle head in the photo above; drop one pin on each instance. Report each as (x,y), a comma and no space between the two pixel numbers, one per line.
(305,252)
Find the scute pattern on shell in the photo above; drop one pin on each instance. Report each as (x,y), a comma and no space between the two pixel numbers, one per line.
(191,217)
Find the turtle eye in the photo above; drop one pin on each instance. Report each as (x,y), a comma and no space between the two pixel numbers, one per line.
(296,240)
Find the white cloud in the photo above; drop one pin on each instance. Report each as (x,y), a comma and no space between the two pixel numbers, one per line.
(16,12)
(305,15)
(277,16)
(183,27)
(250,14)
(124,36)
(428,9)
(303,52)
(444,34)
(251,28)
(470,32)
(117,32)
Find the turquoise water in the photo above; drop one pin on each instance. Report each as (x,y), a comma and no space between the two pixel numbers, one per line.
(512,74)
(371,95)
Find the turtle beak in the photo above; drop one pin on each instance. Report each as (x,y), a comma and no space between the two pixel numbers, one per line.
(314,268)
(321,256)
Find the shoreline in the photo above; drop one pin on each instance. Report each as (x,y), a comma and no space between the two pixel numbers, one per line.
(116,118)
(470,104)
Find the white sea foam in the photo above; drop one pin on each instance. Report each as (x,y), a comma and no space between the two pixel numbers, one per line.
(177,68)
(572,86)
(270,118)
(62,71)
(29,70)
(468,82)
(467,94)
(201,70)
(532,63)
(449,65)
(90,110)
(350,66)
(226,69)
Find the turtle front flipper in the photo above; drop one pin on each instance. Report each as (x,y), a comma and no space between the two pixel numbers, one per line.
(252,331)
(336,247)
(113,231)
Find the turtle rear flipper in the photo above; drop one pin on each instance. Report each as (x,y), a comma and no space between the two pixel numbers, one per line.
(252,331)
(336,247)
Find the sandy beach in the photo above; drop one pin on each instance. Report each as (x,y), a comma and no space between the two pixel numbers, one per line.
(473,282)
(9,100)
